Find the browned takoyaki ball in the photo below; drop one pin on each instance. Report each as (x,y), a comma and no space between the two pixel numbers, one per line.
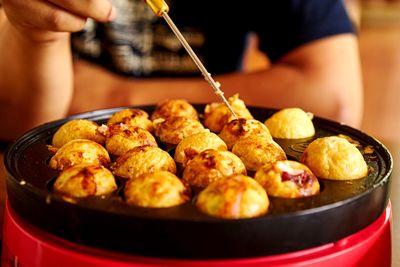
(143,159)
(242,128)
(288,179)
(196,143)
(233,197)
(79,151)
(291,123)
(174,108)
(85,180)
(257,151)
(159,189)
(132,117)
(121,138)
(173,129)
(77,129)
(216,115)
(334,158)
(211,165)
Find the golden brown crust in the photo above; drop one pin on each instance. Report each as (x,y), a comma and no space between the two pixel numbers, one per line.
(85,180)
(288,179)
(79,151)
(258,151)
(141,160)
(291,123)
(334,158)
(216,115)
(242,128)
(211,165)
(173,129)
(121,138)
(233,197)
(159,189)
(132,117)
(174,108)
(195,144)
(77,129)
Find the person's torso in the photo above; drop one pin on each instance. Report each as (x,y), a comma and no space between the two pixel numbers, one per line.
(139,44)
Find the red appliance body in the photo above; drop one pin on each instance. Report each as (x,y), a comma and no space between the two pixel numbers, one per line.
(27,246)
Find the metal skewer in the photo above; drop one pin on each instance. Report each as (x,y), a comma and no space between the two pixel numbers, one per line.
(160,8)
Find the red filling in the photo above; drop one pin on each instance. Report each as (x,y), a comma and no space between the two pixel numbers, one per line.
(301,179)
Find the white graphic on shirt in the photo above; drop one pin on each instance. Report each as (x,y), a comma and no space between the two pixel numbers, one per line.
(138,42)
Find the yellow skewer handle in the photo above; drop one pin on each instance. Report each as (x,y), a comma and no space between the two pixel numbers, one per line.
(159,7)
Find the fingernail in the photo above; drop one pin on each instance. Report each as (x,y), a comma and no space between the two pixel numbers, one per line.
(113,14)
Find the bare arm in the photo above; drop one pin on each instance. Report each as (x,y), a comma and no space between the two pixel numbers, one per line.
(36,75)
(322,77)
(35,81)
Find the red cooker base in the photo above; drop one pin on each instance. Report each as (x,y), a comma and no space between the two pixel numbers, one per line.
(27,246)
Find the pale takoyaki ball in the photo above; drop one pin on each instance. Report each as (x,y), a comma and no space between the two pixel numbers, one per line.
(233,197)
(79,151)
(77,129)
(211,165)
(242,128)
(334,158)
(143,159)
(216,115)
(174,108)
(291,123)
(288,179)
(121,138)
(85,180)
(160,189)
(173,129)
(132,117)
(257,151)
(194,144)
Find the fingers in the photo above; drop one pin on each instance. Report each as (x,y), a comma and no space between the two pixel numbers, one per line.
(100,10)
(42,15)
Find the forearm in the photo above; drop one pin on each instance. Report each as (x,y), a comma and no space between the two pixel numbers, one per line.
(35,80)
(323,77)
(287,86)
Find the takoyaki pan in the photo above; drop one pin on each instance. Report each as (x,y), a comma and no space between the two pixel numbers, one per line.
(185,230)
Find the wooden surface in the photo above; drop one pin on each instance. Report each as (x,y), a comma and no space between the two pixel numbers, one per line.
(2,192)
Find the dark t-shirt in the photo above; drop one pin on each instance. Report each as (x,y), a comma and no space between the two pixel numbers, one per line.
(139,44)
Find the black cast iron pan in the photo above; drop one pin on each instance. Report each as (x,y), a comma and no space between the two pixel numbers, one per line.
(341,209)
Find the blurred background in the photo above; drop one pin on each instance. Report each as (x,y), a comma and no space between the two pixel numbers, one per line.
(378,22)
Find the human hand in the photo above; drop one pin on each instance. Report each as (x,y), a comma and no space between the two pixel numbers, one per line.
(47,20)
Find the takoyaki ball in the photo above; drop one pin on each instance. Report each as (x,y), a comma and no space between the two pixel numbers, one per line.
(242,128)
(85,180)
(143,159)
(173,129)
(194,144)
(233,197)
(291,123)
(257,151)
(334,158)
(216,115)
(174,108)
(79,151)
(288,179)
(160,189)
(211,165)
(121,138)
(132,117)
(77,129)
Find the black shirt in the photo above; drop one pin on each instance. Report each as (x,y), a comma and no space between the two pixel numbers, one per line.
(139,44)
